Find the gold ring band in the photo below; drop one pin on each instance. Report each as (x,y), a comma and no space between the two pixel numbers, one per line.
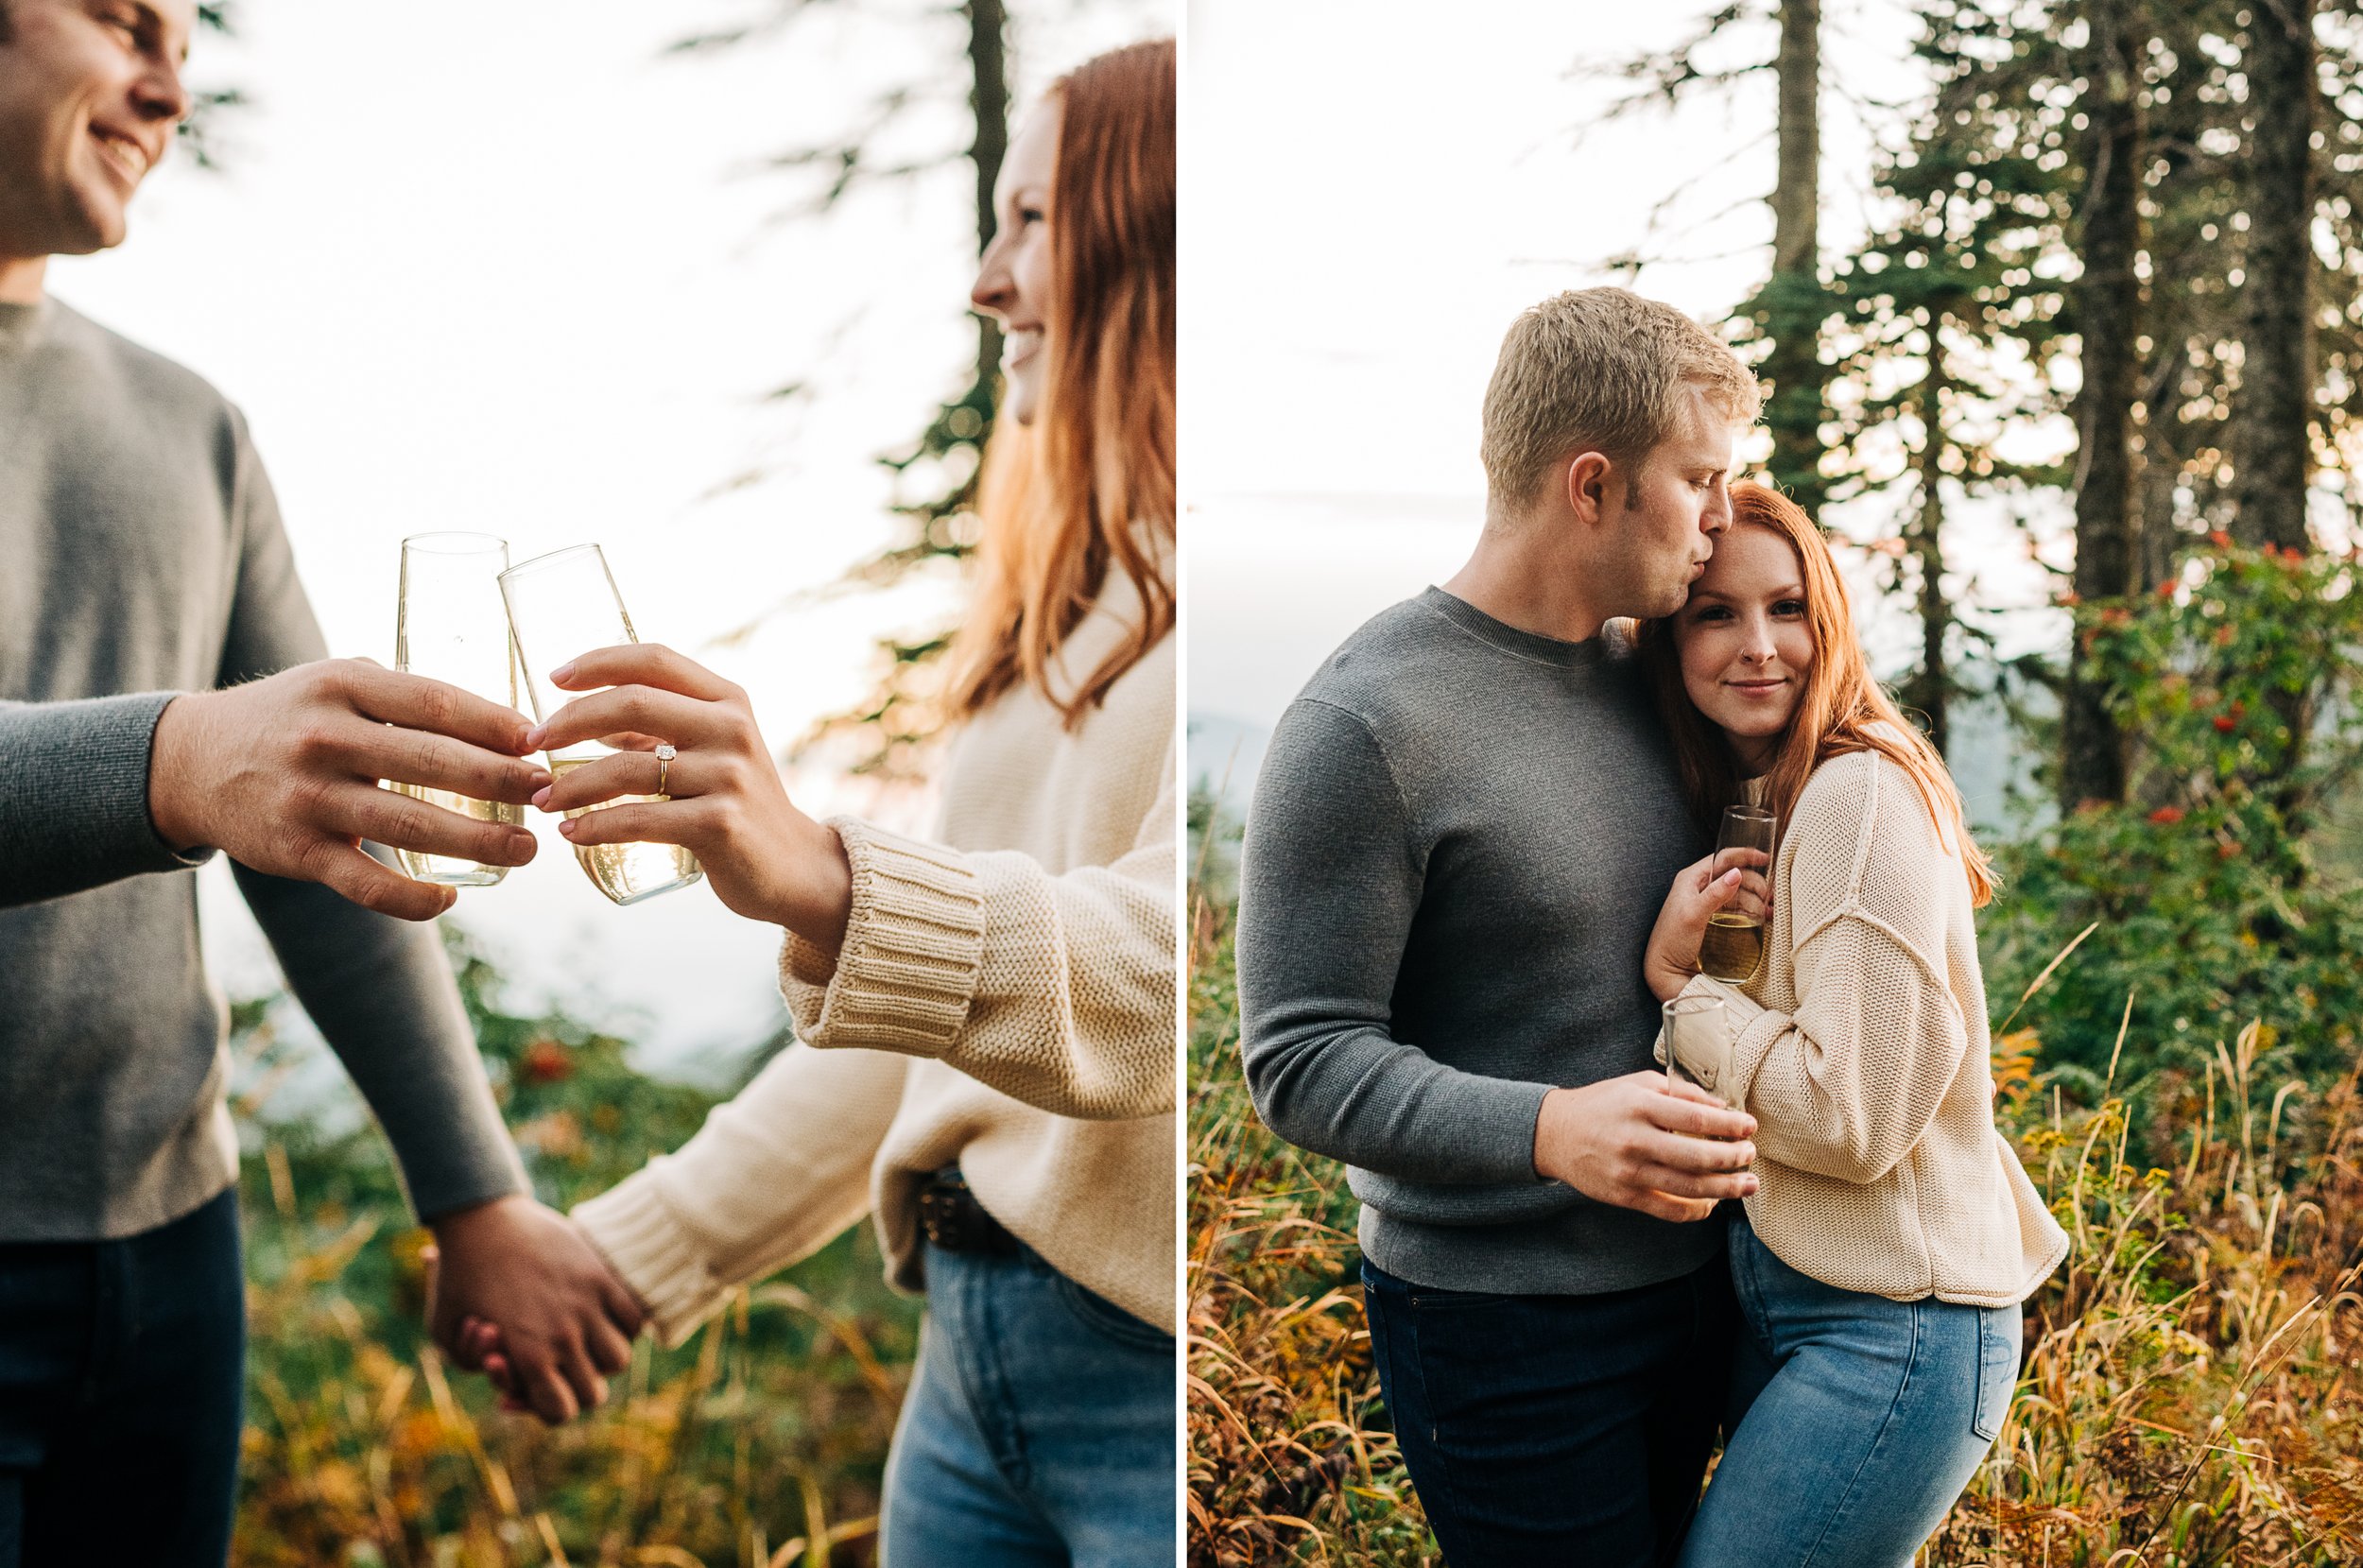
(665,755)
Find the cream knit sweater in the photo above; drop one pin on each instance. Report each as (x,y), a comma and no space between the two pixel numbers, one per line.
(1004,1000)
(1862,1049)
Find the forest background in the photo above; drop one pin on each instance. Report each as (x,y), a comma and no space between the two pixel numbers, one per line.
(691,282)
(2097,291)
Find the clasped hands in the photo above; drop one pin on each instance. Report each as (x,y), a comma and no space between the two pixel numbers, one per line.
(516,1290)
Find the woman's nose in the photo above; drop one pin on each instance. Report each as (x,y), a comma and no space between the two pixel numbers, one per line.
(991,292)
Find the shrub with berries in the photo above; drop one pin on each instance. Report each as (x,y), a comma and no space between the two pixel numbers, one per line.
(2236,686)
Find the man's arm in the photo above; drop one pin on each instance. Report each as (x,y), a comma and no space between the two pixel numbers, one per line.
(382,994)
(1330,881)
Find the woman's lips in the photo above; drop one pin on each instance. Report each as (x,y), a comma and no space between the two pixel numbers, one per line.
(1020,345)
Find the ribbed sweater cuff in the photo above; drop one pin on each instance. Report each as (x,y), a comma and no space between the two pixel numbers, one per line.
(636,1230)
(914,946)
(76,782)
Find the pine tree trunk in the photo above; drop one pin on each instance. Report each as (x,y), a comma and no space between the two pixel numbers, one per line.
(2107,301)
(1930,687)
(2271,447)
(988,58)
(1792,305)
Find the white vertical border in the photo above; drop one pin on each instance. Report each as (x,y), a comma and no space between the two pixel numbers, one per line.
(1182,932)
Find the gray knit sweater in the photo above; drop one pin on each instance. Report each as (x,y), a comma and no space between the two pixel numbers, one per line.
(1460,839)
(141,555)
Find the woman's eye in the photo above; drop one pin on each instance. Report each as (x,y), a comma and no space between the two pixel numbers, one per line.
(1789,607)
(1029,215)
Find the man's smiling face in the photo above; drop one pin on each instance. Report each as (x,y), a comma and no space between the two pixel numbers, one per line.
(89,96)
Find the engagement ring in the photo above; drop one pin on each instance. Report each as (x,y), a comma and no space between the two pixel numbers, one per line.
(665,755)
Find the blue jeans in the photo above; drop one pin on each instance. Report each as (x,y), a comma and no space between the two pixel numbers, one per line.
(1857,1420)
(1040,1430)
(122,1380)
(1554,1429)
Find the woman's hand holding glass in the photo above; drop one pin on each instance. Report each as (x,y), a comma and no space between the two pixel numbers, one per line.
(1702,889)
(767,860)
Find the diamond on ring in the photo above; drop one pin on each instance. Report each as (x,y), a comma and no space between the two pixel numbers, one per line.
(665,755)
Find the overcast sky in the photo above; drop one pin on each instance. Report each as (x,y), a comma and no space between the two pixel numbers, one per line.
(505,268)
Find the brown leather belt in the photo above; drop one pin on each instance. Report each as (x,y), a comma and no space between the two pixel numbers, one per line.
(954,1220)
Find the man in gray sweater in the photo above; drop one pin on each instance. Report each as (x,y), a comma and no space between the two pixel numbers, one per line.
(1462,834)
(162,695)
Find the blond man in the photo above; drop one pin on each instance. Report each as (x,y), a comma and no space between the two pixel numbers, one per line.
(1452,862)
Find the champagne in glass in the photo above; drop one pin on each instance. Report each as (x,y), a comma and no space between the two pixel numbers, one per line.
(449,625)
(562,606)
(1732,949)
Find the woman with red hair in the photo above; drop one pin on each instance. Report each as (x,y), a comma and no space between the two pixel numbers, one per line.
(1880,1265)
(987,1017)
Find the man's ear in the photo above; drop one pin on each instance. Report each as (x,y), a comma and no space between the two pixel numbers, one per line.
(1587,478)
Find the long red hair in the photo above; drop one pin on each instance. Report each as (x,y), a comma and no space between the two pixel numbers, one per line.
(1841,709)
(1089,486)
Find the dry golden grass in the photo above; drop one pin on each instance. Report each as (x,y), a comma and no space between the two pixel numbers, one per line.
(2190,1396)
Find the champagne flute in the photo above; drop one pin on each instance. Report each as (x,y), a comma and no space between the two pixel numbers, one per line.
(1732,949)
(1694,1025)
(449,625)
(561,606)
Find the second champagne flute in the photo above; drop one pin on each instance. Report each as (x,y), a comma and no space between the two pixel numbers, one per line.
(561,606)
(449,626)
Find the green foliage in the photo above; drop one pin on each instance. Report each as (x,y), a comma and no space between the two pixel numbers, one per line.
(2239,682)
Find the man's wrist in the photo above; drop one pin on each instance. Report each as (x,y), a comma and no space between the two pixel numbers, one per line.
(1543,1114)
(172,756)
(464,1217)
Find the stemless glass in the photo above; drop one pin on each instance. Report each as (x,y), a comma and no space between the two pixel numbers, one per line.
(1734,947)
(1694,1025)
(449,625)
(561,606)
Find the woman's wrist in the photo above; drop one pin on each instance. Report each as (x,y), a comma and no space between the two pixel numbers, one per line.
(818,900)
(1665,981)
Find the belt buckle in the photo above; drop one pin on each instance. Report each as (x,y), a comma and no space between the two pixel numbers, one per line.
(952,1219)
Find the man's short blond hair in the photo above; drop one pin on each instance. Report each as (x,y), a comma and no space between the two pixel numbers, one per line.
(1599,369)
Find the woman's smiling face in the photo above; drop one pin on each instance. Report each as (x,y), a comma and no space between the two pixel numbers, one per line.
(1016,276)
(1745,640)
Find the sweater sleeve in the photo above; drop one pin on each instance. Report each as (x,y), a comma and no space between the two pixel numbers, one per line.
(1846,1085)
(382,994)
(1056,990)
(74,796)
(73,810)
(772,1175)
(1329,884)
(380,989)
